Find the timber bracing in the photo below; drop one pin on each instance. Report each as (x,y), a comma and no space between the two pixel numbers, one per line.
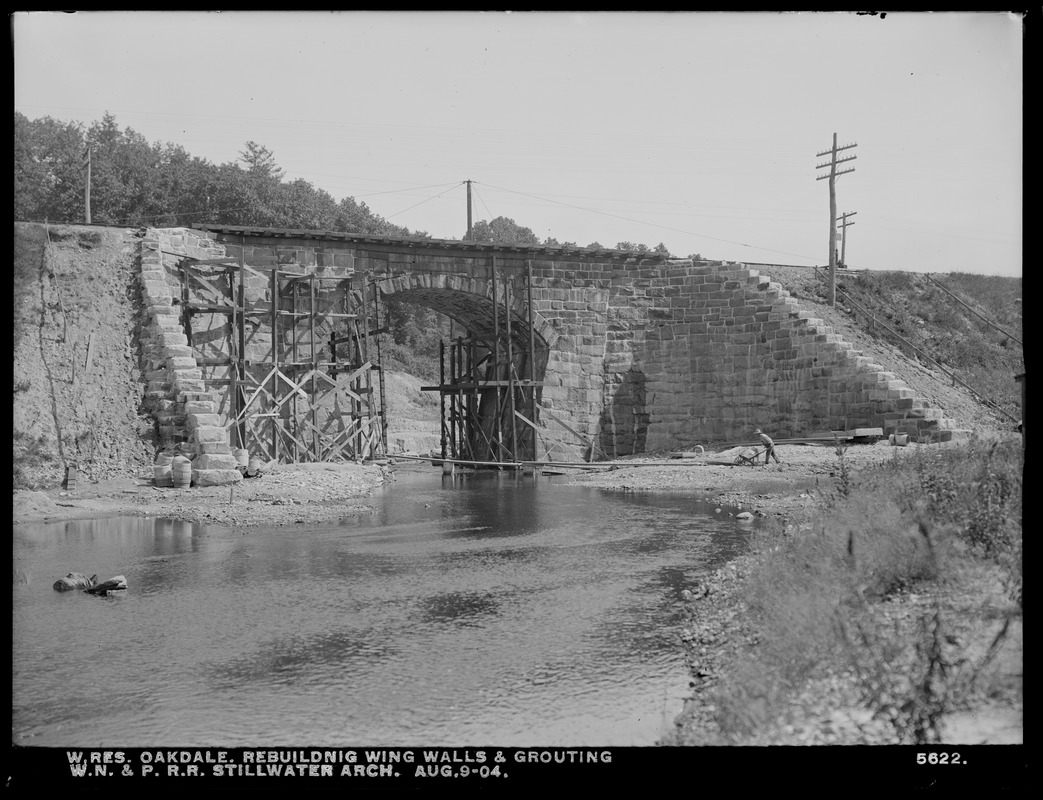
(293,367)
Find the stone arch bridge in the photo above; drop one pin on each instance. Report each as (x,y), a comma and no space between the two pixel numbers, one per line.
(622,352)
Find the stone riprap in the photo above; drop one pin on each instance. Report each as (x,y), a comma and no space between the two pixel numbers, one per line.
(633,356)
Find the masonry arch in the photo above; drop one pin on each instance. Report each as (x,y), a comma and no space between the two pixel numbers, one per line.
(491,374)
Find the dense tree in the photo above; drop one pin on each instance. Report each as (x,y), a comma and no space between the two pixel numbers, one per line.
(502,230)
(49,176)
(550,240)
(260,159)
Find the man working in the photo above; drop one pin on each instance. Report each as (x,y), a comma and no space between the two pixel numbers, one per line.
(769,447)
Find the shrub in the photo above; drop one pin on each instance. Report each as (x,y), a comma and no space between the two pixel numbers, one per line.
(813,595)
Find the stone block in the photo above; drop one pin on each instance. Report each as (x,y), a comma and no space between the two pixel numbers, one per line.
(205,448)
(181,363)
(165,322)
(156,288)
(194,390)
(169,336)
(210,434)
(178,351)
(209,461)
(200,407)
(203,420)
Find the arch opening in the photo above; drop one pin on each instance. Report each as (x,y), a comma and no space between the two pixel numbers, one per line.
(490,371)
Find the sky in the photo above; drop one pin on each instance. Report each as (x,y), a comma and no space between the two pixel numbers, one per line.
(699,130)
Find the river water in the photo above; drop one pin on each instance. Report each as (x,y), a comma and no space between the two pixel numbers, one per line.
(476,610)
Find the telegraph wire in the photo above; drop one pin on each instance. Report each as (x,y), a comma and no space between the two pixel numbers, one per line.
(653,224)
(433,197)
(482,199)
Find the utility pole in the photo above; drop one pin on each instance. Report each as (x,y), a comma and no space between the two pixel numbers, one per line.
(468,182)
(87,189)
(833,174)
(843,236)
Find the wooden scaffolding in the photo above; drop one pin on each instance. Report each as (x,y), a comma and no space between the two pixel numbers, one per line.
(487,385)
(309,395)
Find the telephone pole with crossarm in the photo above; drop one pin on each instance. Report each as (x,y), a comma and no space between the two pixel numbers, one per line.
(833,174)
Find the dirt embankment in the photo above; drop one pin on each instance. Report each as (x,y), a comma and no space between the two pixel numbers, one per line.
(78,386)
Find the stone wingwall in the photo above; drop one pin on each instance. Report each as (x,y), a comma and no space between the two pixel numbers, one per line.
(657,357)
(185,412)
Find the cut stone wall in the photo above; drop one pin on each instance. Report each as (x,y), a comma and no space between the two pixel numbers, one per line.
(655,357)
(176,395)
(646,356)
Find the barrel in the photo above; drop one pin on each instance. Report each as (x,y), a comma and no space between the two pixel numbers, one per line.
(901,439)
(182,472)
(242,458)
(163,475)
(254,466)
(164,459)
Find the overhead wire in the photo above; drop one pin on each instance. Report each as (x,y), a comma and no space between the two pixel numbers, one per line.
(653,224)
(433,197)
(482,199)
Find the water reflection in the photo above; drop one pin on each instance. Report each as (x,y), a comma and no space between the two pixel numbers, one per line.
(478,609)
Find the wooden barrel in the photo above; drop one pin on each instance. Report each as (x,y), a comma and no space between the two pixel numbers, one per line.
(254,466)
(242,458)
(163,475)
(182,472)
(164,460)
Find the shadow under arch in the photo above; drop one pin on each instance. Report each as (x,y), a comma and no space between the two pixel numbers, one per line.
(482,418)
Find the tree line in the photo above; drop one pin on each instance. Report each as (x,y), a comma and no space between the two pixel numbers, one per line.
(136,183)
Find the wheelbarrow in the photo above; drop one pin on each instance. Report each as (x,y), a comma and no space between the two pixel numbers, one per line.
(749,457)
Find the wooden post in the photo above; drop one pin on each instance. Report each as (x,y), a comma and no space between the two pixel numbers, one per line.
(380,373)
(498,440)
(441,392)
(832,176)
(369,372)
(510,371)
(275,364)
(468,211)
(532,354)
(833,227)
(240,365)
(844,225)
(452,399)
(295,358)
(474,423)
(356,362)
(87,189)
(316,444)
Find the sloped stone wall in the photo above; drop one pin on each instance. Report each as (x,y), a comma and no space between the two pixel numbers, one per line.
(668,356)
(185,412)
